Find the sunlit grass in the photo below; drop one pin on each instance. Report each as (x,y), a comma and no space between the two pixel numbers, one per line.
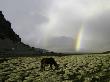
(81,68)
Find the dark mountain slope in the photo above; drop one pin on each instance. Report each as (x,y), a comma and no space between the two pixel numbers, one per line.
(6,31)
(10,42)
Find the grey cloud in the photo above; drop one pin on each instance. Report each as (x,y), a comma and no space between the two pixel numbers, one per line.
(97,32)
(100,27)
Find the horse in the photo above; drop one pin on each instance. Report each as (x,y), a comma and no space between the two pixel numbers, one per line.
(50,62)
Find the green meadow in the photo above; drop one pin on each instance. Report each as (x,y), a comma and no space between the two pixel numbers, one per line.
(74,68)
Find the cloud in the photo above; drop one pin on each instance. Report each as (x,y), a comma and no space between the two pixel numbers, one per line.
(97,31)
(66,17)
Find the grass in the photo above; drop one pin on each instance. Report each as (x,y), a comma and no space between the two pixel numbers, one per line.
(76,68)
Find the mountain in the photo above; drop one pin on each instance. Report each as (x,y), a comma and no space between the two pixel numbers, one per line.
(6,31)
(10,42)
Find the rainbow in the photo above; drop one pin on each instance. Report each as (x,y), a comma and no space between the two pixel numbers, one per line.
(79,38)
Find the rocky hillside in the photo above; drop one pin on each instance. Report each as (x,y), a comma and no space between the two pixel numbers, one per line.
(6,31)
(10,42)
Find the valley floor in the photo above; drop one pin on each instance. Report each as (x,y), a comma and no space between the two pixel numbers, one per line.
(76,68)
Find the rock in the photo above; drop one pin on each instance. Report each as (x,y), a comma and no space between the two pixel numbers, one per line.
(6,31)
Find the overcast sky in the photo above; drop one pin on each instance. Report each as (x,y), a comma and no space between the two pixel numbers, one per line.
(55,24)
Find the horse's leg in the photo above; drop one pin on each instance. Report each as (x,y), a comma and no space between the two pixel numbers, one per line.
(51,66)
(56,65)
(42,67)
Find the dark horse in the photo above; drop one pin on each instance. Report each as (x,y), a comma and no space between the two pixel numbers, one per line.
(48,61)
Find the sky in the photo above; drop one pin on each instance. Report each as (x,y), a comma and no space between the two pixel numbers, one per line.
(61,25)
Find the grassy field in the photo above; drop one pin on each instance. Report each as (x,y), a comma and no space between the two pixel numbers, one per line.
(76,68)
